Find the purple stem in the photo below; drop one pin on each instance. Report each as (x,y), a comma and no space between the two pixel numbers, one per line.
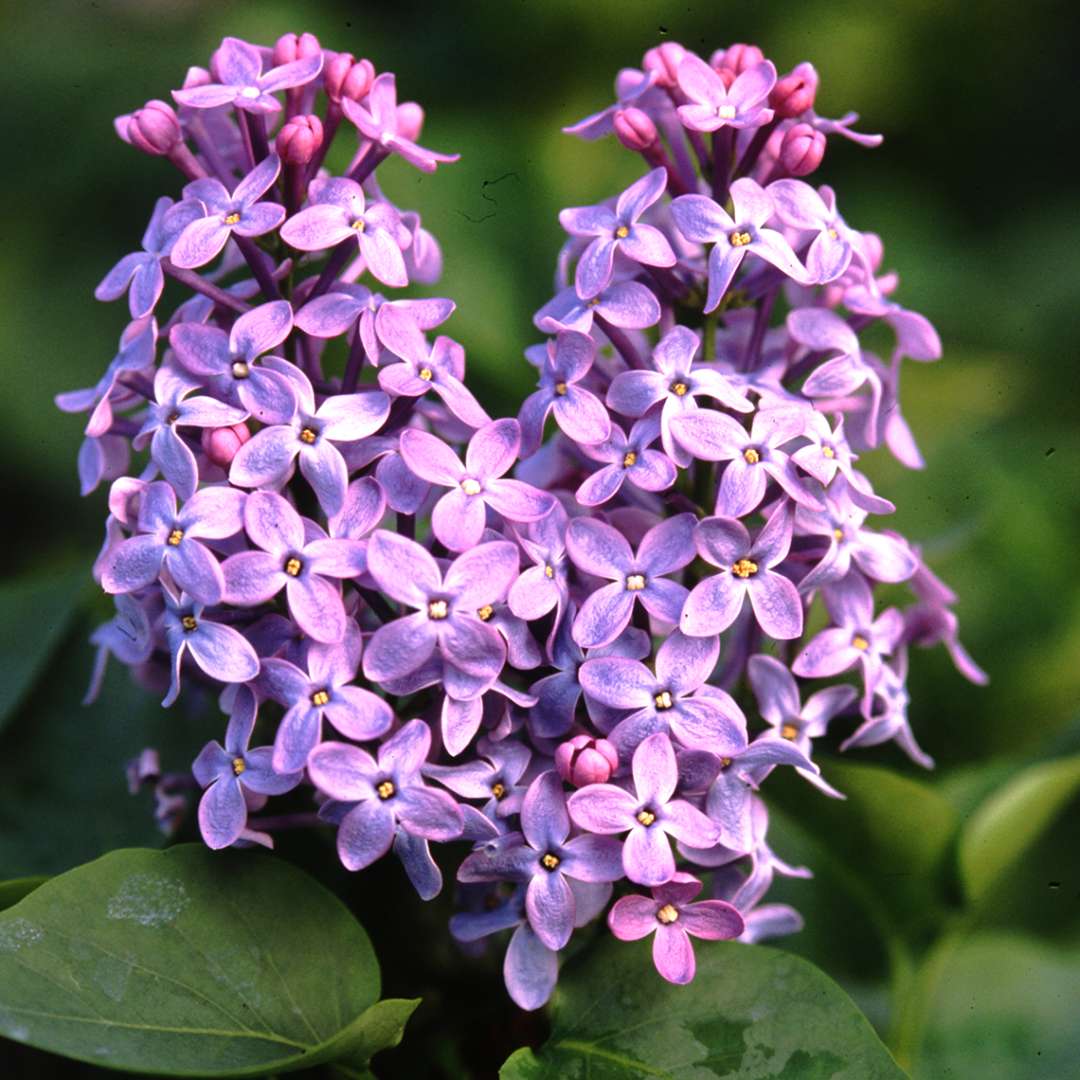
(186,162)
(336,263)
(623,345)
(368,163)
(723,143)
(757,144)
(353,364)
(330,126)
(757,334)
(274,822)
(263,274)
(201,285)
(208,149)
(255,126)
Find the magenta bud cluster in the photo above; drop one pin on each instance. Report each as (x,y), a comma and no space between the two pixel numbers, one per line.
(576,642)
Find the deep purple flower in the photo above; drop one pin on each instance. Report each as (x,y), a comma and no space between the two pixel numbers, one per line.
(448,612)
(220,651)
(173,408)
(459,516)
(673,918)
(140,274)
(778,702)
(753,456)
(267,459)
(628,457)
(337,212)
(227,361)
(714,105)
(322,690)
(648,815)
(702,221)
(228,772)
(746,569)
(242,82)
(494,776)
(663,701)
(238,212)
(388,792)
(578,412)
(381,123)
(676,382)
(289,560)
(171,540)
(618,230)
(598,549)
(545,857)
(543,586)
(626,304)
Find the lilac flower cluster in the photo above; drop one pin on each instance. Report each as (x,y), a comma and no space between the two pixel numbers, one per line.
(577,641)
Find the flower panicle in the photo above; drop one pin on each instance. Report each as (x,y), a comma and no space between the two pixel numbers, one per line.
(574,641)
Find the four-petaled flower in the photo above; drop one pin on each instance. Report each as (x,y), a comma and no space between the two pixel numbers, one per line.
(714,105)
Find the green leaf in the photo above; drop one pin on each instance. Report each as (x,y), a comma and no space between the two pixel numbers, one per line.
(34,613)
(11,892)
(891,836)
(1011,820)
(1004,1009)
(751,1011)
(190,963)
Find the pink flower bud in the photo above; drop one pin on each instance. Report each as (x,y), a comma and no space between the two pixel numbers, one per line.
(221,444)
(634,129)
(802,150)
(154,129)
(795,92)
(347,77)
(410,120)
(584,760)
(290,47)
(663,61)
(299,139)
(737,58)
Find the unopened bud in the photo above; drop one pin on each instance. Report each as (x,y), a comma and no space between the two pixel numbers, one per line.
(584,760)
(663,61)
(221,444)
(154,129)
(299,139)
(738,58)
(635,129)
(410,120)
(795,92)
(347,77)
(802,150)
(290,47)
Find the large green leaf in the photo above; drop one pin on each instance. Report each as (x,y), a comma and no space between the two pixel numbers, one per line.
(1012,819)
(1004,1009)
(750,1012)
(34,613)
(189,963)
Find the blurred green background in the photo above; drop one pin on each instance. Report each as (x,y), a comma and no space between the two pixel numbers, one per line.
(968,191)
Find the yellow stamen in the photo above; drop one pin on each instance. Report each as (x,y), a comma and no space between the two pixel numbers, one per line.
(751,456)
(622,232)
(358,224)
(485,613)
(498,789)
(789,732)
(238,766)
(385,790)
(232,219)
(629,459)
(175,537)
(635,582)
(307,436)
(739,239)
(828,452)
(646,817)
(549,861)
(667,914)
(470,486)
(860,643)
(833,235)
(725,762)
(437,609)
(320,697)
(838,533)
(745,568)
(560,389)
(549,571)
(240,369)
(188,622)
(293,567)
(680,389)
(426,374)
(663,700)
